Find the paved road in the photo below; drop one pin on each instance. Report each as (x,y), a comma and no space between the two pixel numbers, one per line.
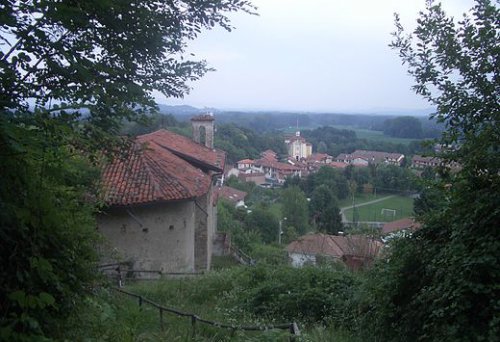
(342,210)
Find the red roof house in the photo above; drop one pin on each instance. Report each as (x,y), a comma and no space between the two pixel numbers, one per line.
(160,213)
(355,251)
(408,224)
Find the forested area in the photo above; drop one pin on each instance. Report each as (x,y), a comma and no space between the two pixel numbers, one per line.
(241,142)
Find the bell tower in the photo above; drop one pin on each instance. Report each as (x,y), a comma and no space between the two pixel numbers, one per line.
(203,129)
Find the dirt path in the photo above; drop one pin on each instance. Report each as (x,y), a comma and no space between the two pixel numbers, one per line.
(342,210)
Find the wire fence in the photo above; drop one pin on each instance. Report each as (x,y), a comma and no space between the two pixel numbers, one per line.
(195,320)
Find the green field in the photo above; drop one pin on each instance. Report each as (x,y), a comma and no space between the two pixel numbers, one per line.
(373,212)
(359,198)
(374,135)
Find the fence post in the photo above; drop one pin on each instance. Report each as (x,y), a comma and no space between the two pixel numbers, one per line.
(294,331)
(193,325)
(161,319)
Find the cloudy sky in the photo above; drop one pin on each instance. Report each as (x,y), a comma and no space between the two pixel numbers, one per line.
(309,55)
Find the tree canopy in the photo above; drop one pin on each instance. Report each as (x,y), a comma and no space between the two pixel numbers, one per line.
(441,284)
(70,73)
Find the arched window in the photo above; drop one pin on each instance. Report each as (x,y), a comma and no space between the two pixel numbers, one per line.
(203,135)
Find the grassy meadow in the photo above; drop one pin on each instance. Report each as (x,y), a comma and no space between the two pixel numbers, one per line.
(369,134)
(403,206)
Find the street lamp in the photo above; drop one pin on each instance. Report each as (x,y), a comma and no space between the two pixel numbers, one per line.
(280,231)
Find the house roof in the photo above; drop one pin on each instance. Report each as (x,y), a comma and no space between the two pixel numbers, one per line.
(375,156)
(406,223)
(161,166)
(245,161)
(187,149)
(276,165)
(335,246)
(269,155)
(231,194)
(422,159)
(338,165)
(317,157)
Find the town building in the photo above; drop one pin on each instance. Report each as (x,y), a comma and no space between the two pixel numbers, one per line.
(365,158)
(298,147)
(420,162)
(160,213)
(232,195)
(354,251)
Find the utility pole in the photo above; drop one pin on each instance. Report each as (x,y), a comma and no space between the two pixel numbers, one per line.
(279,234)
(280,231)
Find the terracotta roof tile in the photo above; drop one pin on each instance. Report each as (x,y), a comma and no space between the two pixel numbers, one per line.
(186,148)
(405,223)
(231,194)
(335,246)
(161,166)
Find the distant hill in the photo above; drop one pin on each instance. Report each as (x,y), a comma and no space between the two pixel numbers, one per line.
(183,110)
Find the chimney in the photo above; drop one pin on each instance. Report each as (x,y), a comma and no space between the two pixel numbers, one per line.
(203,129)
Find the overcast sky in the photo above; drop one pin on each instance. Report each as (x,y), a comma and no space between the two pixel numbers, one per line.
(310,55)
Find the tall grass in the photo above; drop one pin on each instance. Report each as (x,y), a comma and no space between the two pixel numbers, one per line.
(255,296)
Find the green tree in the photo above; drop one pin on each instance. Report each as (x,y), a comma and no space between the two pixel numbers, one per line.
(325,211)
(295,209)
(442,283)
(70,74)
(334,179)
(404,127)
(263,221)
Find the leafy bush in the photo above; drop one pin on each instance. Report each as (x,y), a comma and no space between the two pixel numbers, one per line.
(309,294)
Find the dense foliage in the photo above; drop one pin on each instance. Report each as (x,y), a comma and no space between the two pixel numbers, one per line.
(70,74)
(404,127)
(442,283)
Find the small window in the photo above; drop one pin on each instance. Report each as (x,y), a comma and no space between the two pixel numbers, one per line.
(171,227)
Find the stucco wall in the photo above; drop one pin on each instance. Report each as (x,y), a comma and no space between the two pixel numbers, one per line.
(299,259)
(156,237)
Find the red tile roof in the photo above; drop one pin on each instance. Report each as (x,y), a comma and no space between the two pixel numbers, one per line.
(158,168)
(231,194)
(335,246)
(275,165)
(245,161)
(406,223)
(186,149)
(338,165)
(317,157)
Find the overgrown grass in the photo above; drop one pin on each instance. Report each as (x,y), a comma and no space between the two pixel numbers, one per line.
(318,299)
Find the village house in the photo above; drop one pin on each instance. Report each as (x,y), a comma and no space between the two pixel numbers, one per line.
(364,158)
(420,162)
(275,171)
(354,251)
(406,224)
(160,214)
(232,195)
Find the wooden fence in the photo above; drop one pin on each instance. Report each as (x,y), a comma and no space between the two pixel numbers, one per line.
(195,320)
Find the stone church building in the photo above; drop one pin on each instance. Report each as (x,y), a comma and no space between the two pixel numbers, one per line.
(160,213)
